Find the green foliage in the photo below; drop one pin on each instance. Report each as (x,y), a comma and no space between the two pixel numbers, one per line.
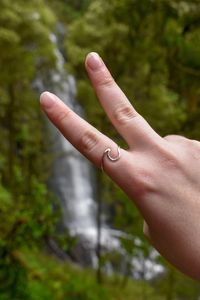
(69,10)
(25,203)
(48,278)
(152,49)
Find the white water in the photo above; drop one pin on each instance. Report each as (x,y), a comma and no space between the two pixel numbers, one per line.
(71,178)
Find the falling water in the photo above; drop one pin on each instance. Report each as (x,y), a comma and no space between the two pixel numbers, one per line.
(72,174)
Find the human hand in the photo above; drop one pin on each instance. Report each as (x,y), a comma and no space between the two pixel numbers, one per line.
(161,175)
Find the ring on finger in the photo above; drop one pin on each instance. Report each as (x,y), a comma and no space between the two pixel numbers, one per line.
(107,153)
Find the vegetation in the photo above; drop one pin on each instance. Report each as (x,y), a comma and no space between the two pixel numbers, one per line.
(51,279)
(152,49)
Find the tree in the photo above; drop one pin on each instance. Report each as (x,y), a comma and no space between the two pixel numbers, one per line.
(26,207)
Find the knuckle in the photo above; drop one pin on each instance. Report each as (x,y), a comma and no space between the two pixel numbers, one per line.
(88,141)
(176,138)
(170,137)
(170,157)
(106,81)
(146,229)
(143,182)
(195,144)
(63,116)
(123,114)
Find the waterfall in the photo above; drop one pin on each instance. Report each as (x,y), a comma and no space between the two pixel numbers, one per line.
(71,178)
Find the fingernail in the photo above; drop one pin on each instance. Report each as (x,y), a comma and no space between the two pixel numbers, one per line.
(47,99)
(94,61)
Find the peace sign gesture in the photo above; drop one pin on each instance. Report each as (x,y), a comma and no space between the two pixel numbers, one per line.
(161,175)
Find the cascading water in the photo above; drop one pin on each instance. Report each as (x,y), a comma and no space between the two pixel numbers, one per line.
(71,179)
(71,173)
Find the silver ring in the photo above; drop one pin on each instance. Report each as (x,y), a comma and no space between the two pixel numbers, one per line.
(111,158)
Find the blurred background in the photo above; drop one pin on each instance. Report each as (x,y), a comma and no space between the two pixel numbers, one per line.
(66,231)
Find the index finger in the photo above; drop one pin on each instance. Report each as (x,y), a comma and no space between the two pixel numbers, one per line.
(83,136)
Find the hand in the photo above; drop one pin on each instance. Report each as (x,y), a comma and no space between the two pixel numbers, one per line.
(161,175)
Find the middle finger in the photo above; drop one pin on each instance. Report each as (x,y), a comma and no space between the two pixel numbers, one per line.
(133,128)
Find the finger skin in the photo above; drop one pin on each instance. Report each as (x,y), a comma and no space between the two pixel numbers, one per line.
(84,137)
(132,127)
(164,181)
(146,230)
(92,144)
